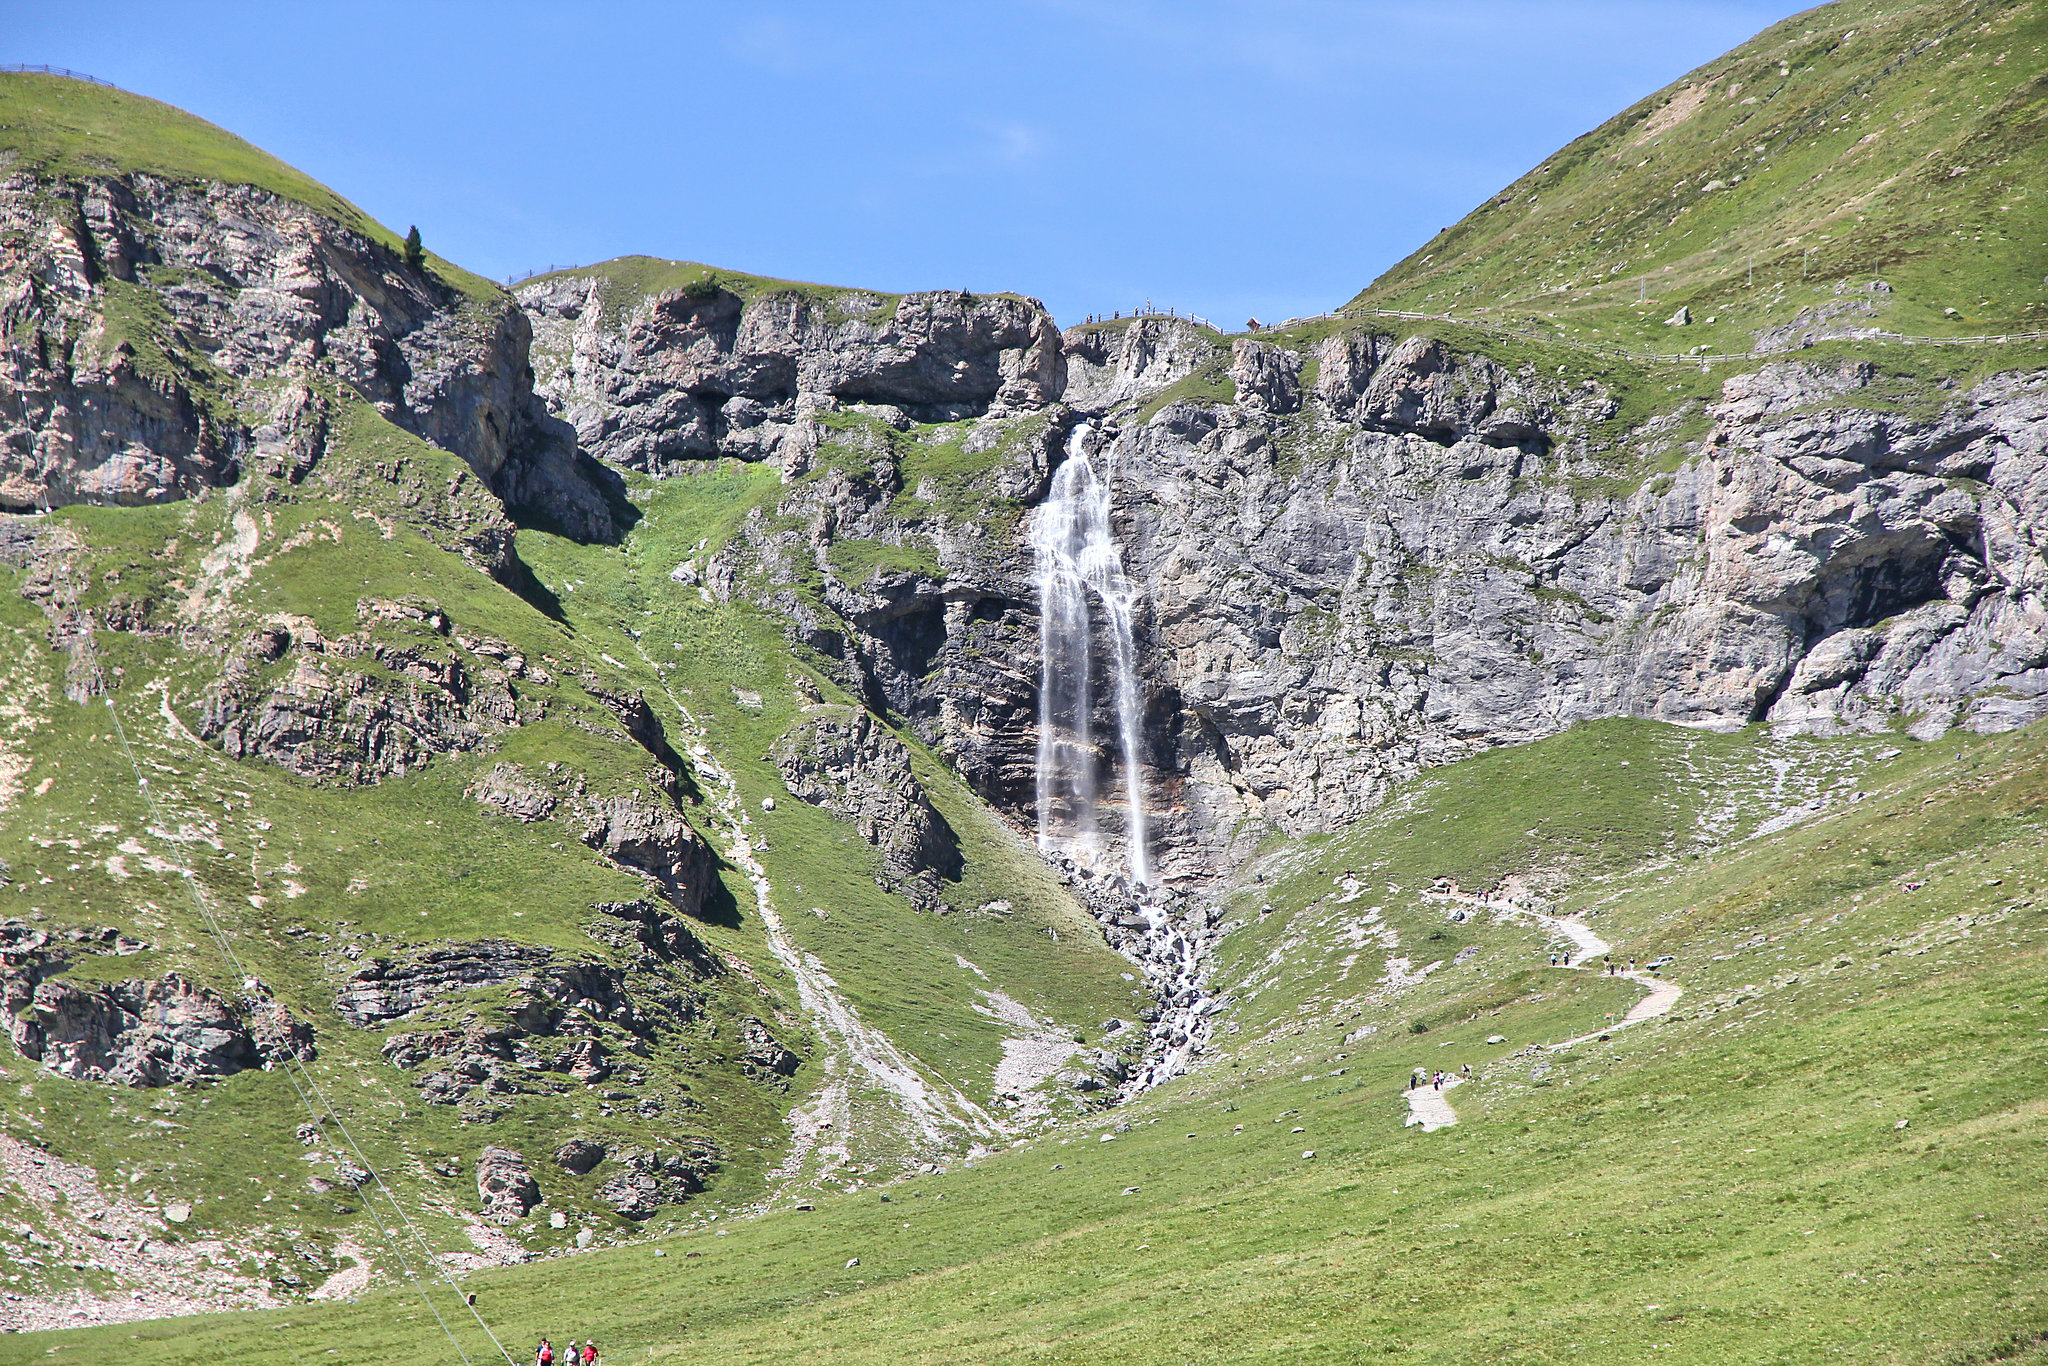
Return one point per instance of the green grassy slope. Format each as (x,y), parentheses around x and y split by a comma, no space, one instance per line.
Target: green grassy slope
(900,969)
(1825,1151)
(1866,139)
(74,130)
(413,859)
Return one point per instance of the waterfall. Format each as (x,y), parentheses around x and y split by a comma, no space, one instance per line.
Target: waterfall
(1076,555)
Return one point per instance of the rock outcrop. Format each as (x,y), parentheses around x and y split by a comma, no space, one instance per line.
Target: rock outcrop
(655,935)
(367,705)
(505,1186)
(651,1179)
(844,760)
(654,841)
(691,373)
(143,1032)
(764,1054)
(579,1156)
(150,1032)
(556,1023)
(1130,362)
(381,990)
(143,309)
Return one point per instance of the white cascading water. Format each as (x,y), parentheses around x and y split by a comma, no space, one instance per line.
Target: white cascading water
(1078,562)
(1077,555)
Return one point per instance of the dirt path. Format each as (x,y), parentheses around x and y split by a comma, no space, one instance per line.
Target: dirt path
(1428,1107)
(1663,994)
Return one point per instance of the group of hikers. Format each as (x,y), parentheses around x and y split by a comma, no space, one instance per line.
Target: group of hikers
(572,1355)
(1563,959)
(1437,1080)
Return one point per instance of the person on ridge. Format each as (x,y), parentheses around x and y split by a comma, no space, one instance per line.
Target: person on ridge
(544,1355)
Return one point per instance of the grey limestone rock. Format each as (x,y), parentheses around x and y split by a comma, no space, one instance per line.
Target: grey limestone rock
(1130,362)
(385,989)
(654,841)
(301,700)
(764,1053)
(1268,376)
(252,288)
(579,1156)
(504,1185)
(843,759)
(1432,555)
(651,1179)
(507,789)
(688,374)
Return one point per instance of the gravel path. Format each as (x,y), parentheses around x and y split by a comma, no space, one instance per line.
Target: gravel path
(1427,1106)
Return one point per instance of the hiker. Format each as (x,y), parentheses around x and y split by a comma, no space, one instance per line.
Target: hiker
(1415,1082)
(545,1354)
(1466,1070)
(589,1352)
(1607,963)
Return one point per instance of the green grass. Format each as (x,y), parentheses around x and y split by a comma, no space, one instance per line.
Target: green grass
(75,130)
(1729,1185)
(1848,151)
(412,859)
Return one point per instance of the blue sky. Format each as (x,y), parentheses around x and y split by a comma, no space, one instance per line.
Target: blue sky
(1233,159)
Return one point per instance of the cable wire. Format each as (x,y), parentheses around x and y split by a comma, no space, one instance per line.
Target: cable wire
(291,1057)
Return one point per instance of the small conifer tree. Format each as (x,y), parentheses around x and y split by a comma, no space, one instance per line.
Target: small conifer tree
(415,254)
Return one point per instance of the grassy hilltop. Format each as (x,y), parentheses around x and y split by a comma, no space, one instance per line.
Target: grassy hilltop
(1867,140)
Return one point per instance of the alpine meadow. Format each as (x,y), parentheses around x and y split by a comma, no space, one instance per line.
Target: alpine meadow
(750,821)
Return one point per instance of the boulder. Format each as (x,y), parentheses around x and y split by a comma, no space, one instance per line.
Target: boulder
(504,1186)
(579,1155)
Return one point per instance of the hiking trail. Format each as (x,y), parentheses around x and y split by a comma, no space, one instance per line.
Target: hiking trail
(1427,1106)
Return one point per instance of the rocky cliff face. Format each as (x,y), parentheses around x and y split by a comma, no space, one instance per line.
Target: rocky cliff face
(146,323)
(1453,563)
(1364,553)
(696,372)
